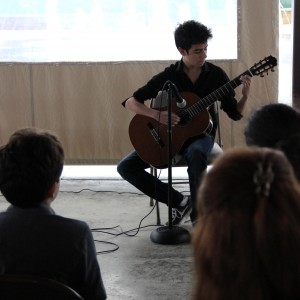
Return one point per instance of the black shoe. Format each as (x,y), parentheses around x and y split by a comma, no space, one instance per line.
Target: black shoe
(181,213)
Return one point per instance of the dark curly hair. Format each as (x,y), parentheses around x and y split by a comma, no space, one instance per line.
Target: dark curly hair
(190,33)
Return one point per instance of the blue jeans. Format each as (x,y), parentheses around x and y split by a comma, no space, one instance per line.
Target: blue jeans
(133,169)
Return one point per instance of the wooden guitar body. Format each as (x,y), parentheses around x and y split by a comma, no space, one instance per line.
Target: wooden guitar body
(150,138)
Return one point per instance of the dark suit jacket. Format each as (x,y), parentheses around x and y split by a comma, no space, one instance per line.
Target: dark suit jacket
(36,241)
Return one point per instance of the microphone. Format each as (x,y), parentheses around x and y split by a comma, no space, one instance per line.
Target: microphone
(181,103)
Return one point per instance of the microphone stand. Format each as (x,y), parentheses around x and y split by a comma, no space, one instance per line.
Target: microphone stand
(170,234)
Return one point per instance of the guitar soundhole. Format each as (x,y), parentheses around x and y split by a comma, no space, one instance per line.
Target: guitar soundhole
(185,118)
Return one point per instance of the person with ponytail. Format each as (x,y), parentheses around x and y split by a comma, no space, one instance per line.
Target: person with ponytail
(246,243)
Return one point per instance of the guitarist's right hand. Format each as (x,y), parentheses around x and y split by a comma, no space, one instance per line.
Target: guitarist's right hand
(162,117)
(140,108)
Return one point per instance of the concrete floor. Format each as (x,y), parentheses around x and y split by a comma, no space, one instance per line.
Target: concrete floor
(133,267)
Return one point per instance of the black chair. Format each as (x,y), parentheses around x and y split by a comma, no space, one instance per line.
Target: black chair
(217,150)
(23,287)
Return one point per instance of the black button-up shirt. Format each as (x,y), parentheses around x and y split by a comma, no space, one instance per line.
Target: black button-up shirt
(211,78)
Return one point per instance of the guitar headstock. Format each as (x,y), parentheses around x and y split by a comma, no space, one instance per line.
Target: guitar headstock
(263,66)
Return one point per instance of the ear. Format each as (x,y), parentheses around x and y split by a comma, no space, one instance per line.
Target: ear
(181,51)
(53,190)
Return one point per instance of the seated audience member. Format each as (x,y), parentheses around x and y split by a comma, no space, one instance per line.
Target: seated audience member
(247,240)
(33,239)
(277,126)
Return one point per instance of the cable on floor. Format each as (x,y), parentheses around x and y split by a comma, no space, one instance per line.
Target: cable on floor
(137,229)
(101,191)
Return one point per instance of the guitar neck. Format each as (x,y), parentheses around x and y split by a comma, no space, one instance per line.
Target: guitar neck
(217,94)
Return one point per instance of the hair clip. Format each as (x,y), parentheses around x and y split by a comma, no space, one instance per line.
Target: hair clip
(263,180)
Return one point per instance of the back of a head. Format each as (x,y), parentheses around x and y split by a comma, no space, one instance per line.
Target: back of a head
(276,126)
(191,33)
(248,235)
(272,123)
(30,163)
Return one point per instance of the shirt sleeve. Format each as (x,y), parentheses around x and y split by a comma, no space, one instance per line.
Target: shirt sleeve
(153,86)
(229,105)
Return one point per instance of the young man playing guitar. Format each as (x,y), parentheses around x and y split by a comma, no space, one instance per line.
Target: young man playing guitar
(190,74)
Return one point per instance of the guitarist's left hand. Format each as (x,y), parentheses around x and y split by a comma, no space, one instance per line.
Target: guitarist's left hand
(246,81)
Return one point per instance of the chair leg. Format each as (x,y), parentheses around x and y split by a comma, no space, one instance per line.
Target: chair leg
(158,221)
(153,172)
(151,202)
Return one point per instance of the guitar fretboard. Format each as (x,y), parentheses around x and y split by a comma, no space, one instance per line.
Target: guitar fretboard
(217,94)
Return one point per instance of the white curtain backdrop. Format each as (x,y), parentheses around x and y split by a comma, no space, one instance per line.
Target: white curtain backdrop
(81,102)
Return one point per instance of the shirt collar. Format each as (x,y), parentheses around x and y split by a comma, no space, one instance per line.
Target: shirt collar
(180,64)
(42,209)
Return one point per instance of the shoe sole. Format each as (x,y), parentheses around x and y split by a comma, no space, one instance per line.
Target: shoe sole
(183,219)
(185,216)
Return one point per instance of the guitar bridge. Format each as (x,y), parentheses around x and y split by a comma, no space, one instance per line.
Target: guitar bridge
(209,127)
(155,135)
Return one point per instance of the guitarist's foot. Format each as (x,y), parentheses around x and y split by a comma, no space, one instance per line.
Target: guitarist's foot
(182,212)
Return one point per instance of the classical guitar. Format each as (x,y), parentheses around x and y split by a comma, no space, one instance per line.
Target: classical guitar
(150,138)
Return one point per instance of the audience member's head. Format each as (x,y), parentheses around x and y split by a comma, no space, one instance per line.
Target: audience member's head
(276,126)
(30,164)
(247,240)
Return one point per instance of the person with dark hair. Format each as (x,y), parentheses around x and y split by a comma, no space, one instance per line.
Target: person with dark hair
(33,239)
(246,243)
(191,74)
(276,125)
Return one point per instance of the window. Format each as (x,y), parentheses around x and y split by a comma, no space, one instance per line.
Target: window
(110,30)
(285,51)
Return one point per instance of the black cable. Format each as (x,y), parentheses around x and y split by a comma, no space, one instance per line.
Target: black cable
(102,230)
(103,191)
(107,251)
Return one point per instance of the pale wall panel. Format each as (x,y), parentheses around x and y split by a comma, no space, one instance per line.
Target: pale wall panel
(15,99)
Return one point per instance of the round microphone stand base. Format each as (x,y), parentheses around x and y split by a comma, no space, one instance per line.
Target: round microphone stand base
(170,235)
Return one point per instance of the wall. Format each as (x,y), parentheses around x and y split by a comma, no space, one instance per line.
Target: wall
(81,102)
